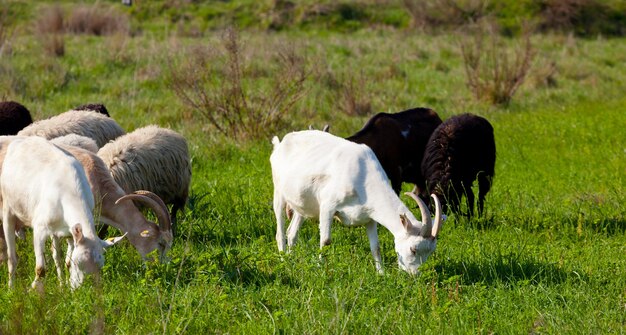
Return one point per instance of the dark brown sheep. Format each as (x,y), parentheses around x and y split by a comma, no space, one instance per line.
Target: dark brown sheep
(99,108)
(13,117)
(398,140)
(460,150)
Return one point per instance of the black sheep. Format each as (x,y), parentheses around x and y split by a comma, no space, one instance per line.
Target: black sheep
(398,140)
(460,150)
(99,108)
(13,117)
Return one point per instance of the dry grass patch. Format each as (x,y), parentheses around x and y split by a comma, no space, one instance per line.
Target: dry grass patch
(494,70)
(217,85)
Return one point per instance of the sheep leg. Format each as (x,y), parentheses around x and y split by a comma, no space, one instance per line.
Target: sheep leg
(175,209)
(279,204)
(469,195)
(372,234)
(292,230)
(454,199)
(39,243)
(484,184)
(8,228)
(396,179)
(56,255)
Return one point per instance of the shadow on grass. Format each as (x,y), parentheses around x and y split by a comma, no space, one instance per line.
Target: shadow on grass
(240,268)
(507,269)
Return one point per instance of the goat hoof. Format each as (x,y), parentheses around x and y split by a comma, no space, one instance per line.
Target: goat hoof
(37,286)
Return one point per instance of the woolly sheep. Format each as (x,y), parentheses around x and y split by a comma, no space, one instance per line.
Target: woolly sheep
(13,117)
(93,125)
(79,141)
(459,151)
(154,159)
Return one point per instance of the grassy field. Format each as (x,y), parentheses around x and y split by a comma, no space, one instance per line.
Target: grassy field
(548,257)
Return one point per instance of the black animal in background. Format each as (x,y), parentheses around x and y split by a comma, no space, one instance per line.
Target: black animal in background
(461,150)
(13,117)
(98,108)
(398,140)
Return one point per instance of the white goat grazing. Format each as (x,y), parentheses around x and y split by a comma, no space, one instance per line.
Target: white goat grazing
(99,127)
(154,159)
(45,188)
(320,175)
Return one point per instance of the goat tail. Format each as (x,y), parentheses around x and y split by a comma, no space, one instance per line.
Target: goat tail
(275,141)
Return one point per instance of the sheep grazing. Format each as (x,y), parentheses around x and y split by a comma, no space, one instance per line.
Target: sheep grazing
(100,128)
(154,159)
(76,141)
(117,211)
(321,175)
(45,188)
(398,140)
(459,151)
(99,108)
(13,117)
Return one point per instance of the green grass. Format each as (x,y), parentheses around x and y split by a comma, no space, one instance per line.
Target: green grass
(548,257)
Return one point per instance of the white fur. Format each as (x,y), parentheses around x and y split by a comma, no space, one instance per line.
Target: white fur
(320,175)
(46,188)
(99,127)
(75,140)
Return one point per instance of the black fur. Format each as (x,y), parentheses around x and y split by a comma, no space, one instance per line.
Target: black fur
(99,108)
(400,155)
(460,150)
(13,117)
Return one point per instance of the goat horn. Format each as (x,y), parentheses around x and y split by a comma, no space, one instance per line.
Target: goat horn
(438,221)
(165,222)
(427,224)
(155,203)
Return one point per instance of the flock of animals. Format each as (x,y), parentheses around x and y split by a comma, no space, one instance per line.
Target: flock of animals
(55,172)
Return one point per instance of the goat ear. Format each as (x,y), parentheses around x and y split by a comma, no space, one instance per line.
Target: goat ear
(406,223)
(109,242)
(77,233)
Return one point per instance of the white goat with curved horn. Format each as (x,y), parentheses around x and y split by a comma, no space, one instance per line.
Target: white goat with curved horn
(321,175)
